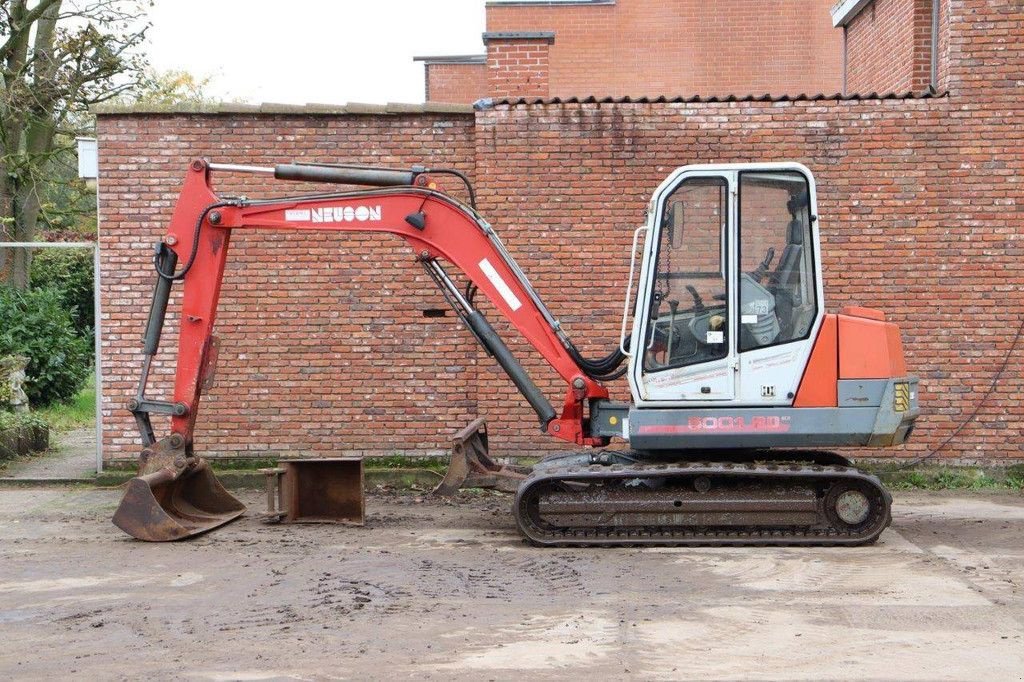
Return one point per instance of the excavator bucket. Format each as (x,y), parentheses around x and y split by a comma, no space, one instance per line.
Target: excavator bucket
(175,496)
(471,466)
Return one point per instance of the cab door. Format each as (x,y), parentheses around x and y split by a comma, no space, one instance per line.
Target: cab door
(686,294)
(779,293)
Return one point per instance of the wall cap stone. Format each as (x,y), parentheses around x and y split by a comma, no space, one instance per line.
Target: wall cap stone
(845,11)
(229,108)
(487,102)
(542,36)
(452,59)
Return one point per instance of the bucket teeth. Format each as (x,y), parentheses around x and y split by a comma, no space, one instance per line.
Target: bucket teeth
(176,496)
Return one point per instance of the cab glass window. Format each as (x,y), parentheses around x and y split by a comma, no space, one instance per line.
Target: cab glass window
(689,317)
(776,276)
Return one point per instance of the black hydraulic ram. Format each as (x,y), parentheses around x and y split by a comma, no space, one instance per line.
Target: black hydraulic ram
(140,406)
(166,261)
(491,342)
(345,175)
(335,174)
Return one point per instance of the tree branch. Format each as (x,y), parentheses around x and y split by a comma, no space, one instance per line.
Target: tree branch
(21,22)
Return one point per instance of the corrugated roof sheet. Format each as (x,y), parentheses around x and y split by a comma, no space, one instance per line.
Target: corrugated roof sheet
(767,97)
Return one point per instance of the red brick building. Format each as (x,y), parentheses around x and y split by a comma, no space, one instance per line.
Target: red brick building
(566,48)
(893,45)
(458,78)
(324,344)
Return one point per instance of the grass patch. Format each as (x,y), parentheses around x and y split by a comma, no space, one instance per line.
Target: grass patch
(78,413)
(953,478)
(390,462)
(401,462)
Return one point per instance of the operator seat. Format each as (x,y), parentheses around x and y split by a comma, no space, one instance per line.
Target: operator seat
(784,282)
(787,272)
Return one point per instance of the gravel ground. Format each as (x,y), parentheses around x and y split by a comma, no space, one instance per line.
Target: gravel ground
(449,591)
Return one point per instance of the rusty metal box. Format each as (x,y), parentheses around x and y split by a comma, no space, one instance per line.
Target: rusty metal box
(321,490)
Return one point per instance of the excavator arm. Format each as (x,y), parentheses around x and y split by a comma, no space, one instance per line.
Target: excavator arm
(434,224)
(409,204)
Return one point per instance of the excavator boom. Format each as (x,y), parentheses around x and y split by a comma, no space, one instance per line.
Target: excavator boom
(435,225)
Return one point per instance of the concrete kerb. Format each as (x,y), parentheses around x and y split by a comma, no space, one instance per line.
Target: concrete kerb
(411,479)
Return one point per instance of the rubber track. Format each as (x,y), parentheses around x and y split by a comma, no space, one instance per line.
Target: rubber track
(692,536)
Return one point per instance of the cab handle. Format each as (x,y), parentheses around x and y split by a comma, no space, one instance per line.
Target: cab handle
(629,288)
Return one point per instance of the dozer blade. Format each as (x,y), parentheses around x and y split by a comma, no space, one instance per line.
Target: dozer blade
(174,497)
(471,466)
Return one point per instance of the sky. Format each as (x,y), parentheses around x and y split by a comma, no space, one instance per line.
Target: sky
(319,51)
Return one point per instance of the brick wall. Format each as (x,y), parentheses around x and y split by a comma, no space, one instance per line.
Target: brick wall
(457,83)
(905,226)
(518,67)
(889,47)
(653,47)
(324,346)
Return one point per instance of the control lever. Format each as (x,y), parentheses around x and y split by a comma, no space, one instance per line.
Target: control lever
(698,304)
(673,307)
(762,269)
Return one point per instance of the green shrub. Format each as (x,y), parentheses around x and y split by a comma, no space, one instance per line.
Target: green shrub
(21,434)
(69,272)
(6,394)
(16,420)
(36,324)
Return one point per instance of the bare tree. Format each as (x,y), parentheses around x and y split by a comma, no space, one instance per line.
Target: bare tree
(58,58)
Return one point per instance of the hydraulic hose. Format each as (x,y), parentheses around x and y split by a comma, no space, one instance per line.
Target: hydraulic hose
(180,275)
(602,369)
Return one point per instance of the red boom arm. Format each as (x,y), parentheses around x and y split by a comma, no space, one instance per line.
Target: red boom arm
(449,231)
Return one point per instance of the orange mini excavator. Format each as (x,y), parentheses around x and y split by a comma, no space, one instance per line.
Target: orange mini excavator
(739,378)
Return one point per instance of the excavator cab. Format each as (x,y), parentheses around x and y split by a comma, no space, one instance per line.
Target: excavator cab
(728,283)
(732,337)
(738,376)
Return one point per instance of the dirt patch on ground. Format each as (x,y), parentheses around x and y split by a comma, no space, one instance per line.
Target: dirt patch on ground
(442,591)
